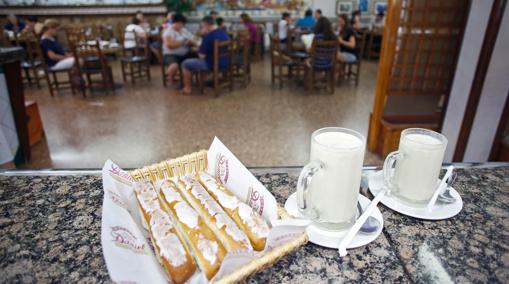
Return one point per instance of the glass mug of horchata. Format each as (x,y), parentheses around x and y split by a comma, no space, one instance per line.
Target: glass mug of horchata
(328,187)
(411,173)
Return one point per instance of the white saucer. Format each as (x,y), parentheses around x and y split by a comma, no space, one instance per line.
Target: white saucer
(331,239)
(440,210)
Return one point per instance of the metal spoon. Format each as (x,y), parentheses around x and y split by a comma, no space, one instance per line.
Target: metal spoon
(446,196)
(371,225)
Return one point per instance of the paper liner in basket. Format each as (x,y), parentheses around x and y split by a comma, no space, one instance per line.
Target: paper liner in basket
(126,245)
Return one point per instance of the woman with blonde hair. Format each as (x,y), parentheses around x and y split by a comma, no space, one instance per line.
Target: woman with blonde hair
(54,54)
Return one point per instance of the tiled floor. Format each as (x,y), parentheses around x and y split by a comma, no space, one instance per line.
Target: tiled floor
(146,123)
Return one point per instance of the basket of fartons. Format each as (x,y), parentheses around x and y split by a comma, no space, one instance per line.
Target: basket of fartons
(199,218)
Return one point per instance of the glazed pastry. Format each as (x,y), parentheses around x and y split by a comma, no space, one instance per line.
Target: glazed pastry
(246,218)
(231,236)
(207,249)
(172,254)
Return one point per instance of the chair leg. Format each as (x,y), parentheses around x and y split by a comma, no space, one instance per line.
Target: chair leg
(148,70)
(246,74)
(50,85)
(131,69)
(69,74)
(27,75)
(312,79)
(55,79)
(163,73)
(332,83)
(357,74)
(201,80)
(122,65)
(181,76)
(272,75)
(37,79)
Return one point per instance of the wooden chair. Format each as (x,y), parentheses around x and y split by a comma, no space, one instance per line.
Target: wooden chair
(56,84)
(353,70)
(93,64)
(32,64)
(375,43)
(75,36)
(135,62)
(241,60)
(221,77)
(278,62)
(322,60)
(258,47)
(294,42)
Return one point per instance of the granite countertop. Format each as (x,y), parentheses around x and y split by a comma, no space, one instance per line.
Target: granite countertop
(50,232)
(11,54)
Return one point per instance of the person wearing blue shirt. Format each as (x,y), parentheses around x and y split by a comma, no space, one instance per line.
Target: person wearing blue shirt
(54,54)
(13,24)
(308,22)
(205,60)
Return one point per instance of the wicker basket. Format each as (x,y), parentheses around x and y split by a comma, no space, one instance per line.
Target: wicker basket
(196,162)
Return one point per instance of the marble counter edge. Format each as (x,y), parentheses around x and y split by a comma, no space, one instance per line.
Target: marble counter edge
(254,170)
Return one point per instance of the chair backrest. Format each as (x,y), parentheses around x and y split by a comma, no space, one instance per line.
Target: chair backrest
(275,46)
(360,44)
(222,50)
(142,45)
(29,42)
(89,55)
(241,47)
(75,36)
(323,53)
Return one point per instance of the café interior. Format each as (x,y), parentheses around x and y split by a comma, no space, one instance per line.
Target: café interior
(143,81)
(116,99)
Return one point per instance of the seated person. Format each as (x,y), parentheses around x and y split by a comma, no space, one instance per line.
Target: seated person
(379,21)
(167,21)
(346,39)
(205,62)
(356,20)
(251,30)
(13,25)
(54,55)
(33,25)
(318,14)
(142,22)
(308,22)
(176,42)
(131,31)
(284,26)
(214,15)
(220,23)
(323,31)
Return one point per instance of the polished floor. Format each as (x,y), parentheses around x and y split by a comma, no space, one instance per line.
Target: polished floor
(146,123)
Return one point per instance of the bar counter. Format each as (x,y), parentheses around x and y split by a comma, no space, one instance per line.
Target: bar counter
(51,224)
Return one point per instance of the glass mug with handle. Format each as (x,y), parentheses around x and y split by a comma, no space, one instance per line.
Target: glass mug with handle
(328,187)
(411,173)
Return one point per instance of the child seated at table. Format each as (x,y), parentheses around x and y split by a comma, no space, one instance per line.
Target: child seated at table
(322,31)
(54,54)
(205,60)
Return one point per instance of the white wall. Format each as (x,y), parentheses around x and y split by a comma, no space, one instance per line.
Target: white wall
(328,7)
(493,97)
(465,69)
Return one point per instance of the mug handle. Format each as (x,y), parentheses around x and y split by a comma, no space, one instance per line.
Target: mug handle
(389,162)
(305,178)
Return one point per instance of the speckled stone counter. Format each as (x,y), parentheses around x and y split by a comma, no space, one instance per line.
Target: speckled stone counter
(50,232)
